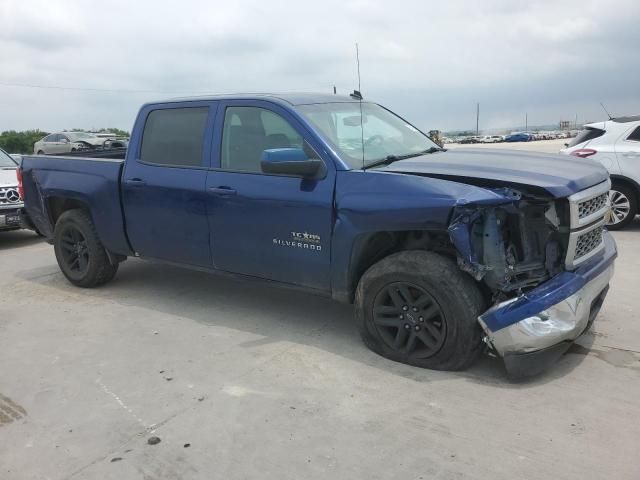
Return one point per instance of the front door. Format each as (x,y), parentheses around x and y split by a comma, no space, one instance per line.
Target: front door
(270,226)
(164,185)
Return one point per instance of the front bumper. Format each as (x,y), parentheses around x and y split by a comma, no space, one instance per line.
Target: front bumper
(531,331)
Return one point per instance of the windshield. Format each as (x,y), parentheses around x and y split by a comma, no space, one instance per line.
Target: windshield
(6,161)
(79,136)
(385,134)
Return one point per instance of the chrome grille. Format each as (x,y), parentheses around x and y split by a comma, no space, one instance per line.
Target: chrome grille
(587,212)
(593,205)
(9,196)
(588,242)
(590,205)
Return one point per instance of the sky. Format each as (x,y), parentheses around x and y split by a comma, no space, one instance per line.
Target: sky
(431,62)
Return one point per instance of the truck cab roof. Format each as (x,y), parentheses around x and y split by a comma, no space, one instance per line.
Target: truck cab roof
(287,98)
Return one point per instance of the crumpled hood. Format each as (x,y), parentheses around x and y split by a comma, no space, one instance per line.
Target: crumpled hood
(560,175)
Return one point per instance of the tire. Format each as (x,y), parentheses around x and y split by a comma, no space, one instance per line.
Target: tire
(624,207)
(40,152)
(79,252)
(435,284)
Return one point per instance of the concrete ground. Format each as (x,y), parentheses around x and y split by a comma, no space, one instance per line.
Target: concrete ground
(239,380)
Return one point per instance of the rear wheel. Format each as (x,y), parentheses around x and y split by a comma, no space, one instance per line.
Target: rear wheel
(418,308)
(40,152)
(623,207)
(79,252)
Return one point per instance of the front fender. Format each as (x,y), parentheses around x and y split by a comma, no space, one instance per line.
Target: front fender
(368,202)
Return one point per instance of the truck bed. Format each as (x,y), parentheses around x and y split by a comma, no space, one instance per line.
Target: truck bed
(92,183)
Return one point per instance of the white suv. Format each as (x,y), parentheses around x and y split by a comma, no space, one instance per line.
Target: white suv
(615,144)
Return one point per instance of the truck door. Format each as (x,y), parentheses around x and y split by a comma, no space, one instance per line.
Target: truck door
(270,226)
(163,183)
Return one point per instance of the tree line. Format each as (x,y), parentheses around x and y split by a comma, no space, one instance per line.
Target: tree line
(12,141)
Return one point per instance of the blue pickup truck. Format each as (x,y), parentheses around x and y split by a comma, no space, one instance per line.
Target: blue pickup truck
(443,253)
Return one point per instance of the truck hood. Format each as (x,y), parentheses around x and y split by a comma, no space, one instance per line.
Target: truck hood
(559,175)
(8,178)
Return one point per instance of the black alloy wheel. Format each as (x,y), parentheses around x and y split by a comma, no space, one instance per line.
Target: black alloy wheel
(409,320)
(74,249)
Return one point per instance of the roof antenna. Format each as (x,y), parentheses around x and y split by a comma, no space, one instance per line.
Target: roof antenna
(605,111)
(358,96)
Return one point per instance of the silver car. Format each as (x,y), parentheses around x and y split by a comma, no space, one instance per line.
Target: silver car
(10,201)
(65,142)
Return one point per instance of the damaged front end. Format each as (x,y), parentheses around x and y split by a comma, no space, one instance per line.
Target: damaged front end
(513,245)
(545,266)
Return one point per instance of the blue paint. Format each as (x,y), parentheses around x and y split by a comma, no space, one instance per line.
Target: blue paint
(251,223)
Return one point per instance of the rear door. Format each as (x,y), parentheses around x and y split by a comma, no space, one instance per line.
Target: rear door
(270,226)
(164,183)
(628,153)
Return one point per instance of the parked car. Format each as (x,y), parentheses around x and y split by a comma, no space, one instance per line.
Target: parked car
(65,142)
(10,198)
(491,139)
(442,252)
(469,140)
(518,137)
(615,144)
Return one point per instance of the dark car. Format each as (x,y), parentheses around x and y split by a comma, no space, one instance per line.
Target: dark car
(518,137)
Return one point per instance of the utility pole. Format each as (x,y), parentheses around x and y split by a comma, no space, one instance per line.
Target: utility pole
(477,119)
(526,121)
(576,122)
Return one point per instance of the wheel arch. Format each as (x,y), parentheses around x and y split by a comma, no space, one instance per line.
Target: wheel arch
(370,248)
(620,179)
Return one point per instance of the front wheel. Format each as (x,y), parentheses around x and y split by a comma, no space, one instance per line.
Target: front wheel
(623,207)
(79,252)
(417,307)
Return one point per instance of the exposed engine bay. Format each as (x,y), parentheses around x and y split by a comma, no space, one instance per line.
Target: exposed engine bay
(512,246)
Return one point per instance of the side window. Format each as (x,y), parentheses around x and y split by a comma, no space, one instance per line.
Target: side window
(249,131)
(635,135)
(174,136)
(52,138)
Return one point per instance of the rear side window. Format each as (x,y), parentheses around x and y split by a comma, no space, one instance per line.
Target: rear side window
(586,135)
(174,136)
(635,135)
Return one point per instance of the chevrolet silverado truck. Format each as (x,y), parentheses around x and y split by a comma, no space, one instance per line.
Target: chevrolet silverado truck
(443,253)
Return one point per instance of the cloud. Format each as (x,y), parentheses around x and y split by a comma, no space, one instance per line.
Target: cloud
(430,61)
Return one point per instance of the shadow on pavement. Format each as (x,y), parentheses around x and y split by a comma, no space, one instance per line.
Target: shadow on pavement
(18,238)
(274,313)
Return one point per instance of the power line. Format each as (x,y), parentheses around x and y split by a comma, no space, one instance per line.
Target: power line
(87,89)
(118,90)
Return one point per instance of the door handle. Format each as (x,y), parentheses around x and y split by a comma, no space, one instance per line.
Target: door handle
(135,182)
(222,191)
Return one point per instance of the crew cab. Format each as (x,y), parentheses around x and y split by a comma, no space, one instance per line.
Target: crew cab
(443,253)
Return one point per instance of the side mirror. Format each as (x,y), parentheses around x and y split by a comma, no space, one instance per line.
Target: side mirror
(291,161)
